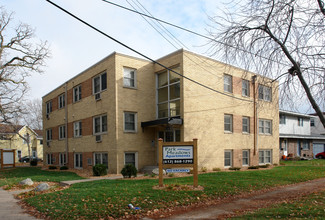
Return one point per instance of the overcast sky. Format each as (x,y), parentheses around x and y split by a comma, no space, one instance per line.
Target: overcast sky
(74,46)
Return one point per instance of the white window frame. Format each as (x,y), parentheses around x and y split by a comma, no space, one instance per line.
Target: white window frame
(283,119)
(230,159)
(227,83)
(135,155)
(300,121)
(62,159)
(128,78)
(246,125)
(263,157)
(101,89)
(77,129)
(262,126)
(135,122)
(49,159)
(245,157)
(77,93)
(312,122)
(80,160)
(62,132)
(305,145)
(101,157)
(230,124)
(264,93)
(48,107)
(61,101)
(49,134)
(245,88)
(101,125)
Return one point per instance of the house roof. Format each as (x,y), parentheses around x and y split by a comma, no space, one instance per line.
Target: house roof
(296,114)
(39,133)
(9,129)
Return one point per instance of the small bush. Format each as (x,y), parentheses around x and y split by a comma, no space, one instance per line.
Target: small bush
(171,174)
(234,168)
(204,169)
(33,162)
(216,169)
(99,170)
(275,164)
(129,170)
(264,166)
(253,167)
(64,168)
(153,175)
(52,168)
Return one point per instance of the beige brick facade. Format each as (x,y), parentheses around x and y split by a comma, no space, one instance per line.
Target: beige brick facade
(202,112)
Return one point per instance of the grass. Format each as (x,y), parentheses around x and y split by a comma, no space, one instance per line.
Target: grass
(308,207)
(100,199)
(15,175)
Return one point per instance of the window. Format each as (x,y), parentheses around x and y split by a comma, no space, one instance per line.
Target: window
(77,129)
(264,156)
(305,145)
(282,119)
(99,83)
(245,88)
(27,139)
(312,122)
(168,94)
(61,101)
(245,157)
(41,142)
(48,107)
(49,159)
(77,93)
(130,158)
(34,153)
(264,93)
(63,159)
(62,132)
(100,124)
(129,78)
(101,158)
(228,123)
(170,136)
(245,124)
(265,126)
(78,160)
(300,122)
(130,122)
(49,134)
(228,158)
(19,154)
(227,83)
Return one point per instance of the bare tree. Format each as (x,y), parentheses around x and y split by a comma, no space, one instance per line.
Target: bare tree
(20,56)
(33,117)
(280,39)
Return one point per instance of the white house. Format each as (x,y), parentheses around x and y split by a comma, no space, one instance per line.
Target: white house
(296,138)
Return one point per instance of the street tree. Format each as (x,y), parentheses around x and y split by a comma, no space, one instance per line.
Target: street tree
(33,114)
(280,39)
(20,56)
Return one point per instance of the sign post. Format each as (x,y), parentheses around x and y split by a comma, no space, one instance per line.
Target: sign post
(178,155)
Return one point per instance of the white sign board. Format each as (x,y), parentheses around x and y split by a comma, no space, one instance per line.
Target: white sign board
(8,158)
(178,154)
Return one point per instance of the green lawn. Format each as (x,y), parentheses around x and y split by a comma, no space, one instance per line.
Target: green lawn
(100,199)
(15,175)
(308,207)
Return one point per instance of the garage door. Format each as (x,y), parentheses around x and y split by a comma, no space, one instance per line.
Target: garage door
(318,148)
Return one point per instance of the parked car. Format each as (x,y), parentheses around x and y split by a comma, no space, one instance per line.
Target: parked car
(25,159)
(320,155)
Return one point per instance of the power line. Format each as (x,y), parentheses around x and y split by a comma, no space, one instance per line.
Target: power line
(141,54)
(193,32)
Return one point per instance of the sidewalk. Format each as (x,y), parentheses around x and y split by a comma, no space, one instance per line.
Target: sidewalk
(68,183)
(9,209)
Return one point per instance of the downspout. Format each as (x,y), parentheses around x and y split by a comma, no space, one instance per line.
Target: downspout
(255,114)
(66,124)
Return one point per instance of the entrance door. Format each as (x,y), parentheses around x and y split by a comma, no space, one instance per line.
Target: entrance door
(285,147)
(298,148)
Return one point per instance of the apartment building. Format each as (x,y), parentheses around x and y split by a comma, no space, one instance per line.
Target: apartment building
(296,137)
(115,111)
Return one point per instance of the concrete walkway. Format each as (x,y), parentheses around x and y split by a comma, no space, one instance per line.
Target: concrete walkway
(92,179)
(9,208)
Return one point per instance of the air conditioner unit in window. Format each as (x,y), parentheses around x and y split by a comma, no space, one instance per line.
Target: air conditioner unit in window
(48,116)
(48,144)
(97,96)
(98,138)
